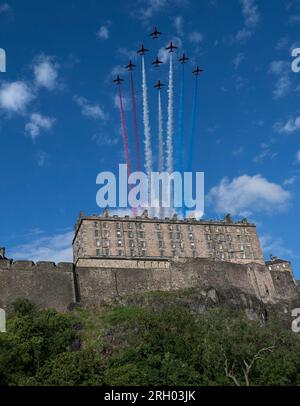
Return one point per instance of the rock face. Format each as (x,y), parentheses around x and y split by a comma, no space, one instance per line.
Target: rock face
(254,287)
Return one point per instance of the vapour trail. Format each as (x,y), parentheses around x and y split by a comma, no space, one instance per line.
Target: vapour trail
(147,136)
(160,146)
(193,126)
(135,126)
(160,136)
(170,119)
(180,123)
(124,132)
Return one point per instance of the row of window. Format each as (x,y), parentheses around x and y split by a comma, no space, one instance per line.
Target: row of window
(106,252)
(227,237)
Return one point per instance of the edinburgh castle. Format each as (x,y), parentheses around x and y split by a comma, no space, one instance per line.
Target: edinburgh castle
(117,256)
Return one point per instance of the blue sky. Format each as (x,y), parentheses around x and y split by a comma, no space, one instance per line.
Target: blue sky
(60,125)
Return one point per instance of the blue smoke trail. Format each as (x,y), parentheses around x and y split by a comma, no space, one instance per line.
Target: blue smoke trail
(193,126)
(180,123)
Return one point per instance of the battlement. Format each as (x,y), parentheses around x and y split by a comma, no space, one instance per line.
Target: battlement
(39,266)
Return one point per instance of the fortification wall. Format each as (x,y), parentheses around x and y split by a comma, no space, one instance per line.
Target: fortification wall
(101,284)
(94,281)
(43,283)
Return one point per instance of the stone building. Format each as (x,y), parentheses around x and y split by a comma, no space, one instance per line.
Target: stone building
(105,238)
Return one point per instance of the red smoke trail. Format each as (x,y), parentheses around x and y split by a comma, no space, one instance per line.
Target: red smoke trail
(125,140)
(125,137)
(135,126)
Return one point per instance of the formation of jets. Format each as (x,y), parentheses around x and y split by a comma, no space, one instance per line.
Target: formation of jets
(142,51)
(156,62)
(159,85)
(197,71)
(155,34)
(130,66)
(118,80)
(183,59)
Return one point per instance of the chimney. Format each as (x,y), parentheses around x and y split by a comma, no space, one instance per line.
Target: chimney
(2,253)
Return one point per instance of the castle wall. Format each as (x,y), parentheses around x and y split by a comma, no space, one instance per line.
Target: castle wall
(97,285)
(43,283)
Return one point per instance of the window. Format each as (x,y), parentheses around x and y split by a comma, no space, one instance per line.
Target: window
(118,226)
(174,253)
(96,224)
(130,234)
(106,233)
(207,237)
(170,227)
(178,236)
(129,225)
(143,253)
(221,247)
(143,244)
(171,236)
(160,244)
(106,252)
(119,243)
(97,253)
(120,253)
(242,247)
(132,253)
(141,226)
(105,243)
(161,253)
(194,254)
(131,244)
(96,233)
(191,237)
(105,225)
(192,245)
(118,233)
(159,236)
(190,228)
(177,227)
(158,226)
(98,243)
(173,245)
(141,234)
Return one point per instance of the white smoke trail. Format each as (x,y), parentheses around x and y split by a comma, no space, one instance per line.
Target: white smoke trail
(160,147)
(160,136)
(147,135)
(169,165)
(147,139)
(170,119)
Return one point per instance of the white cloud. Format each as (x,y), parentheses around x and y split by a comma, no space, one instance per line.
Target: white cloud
(103,32)
(238,60)
(298,156)
(125,101)
(15,97)
(56,248)
(290,181)
(46,72)
(37,123)
(282,70)
(196,37)
(178,24)
(274,246)
(90,110)
(251,18)
(149,8)
(246,195)
(289,127)
(282,43)
(4,8)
